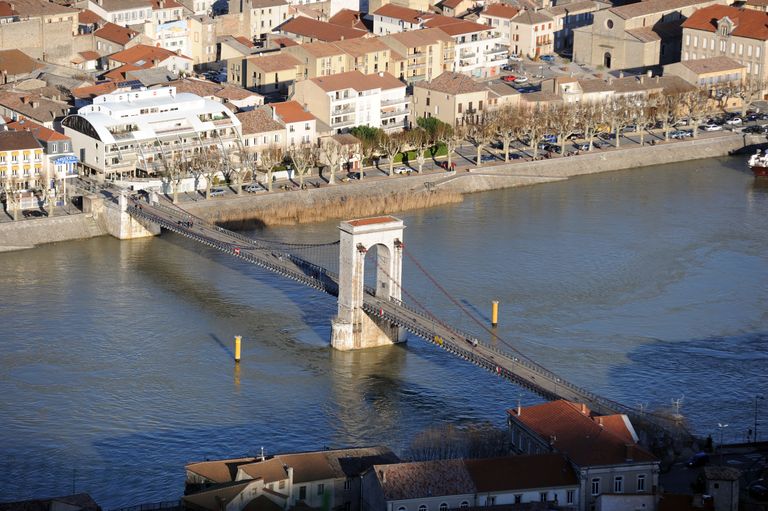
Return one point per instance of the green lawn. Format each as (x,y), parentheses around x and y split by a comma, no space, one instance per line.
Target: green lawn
(441,151)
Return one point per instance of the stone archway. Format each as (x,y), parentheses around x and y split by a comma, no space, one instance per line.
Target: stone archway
(607,60)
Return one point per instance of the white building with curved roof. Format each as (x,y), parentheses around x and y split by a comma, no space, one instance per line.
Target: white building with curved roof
(141,130)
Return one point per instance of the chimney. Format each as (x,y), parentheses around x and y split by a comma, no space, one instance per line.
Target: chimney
(35,104)
(649,74)
(583,408)
(642,79)
(290,474)
(600,422)
(621,74)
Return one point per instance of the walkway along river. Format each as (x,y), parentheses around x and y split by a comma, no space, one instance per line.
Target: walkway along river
(116,364)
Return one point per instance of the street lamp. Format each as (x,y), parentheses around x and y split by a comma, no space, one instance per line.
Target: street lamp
(757,396)
(722,427)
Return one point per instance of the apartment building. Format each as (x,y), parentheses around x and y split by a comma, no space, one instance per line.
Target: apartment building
(260,132)
(199,7)
(143,56)
(708,72)
(393,19)
(323,59)
(725,31)
(350,99)
(16,65)
(202,39)
(421,54)
(637,35)
(450,97)
(164,11)
(260,17)
(536,482)
(122,12)
(46,110)
(169,35)
(300,125)
(417,5)
(21,161)
(112,38)
(308,30)
(478,52)
(41,29)
(526,32)
(570,16)
(329,478)
(143,131)
(603,450)
(59,161)
(272,73)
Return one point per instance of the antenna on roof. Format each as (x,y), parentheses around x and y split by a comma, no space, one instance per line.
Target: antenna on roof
(678,403)
(262,453)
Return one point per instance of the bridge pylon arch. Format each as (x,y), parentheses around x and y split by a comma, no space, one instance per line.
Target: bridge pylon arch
(353,328)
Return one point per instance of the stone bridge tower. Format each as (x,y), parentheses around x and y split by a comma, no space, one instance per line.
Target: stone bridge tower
(353,328)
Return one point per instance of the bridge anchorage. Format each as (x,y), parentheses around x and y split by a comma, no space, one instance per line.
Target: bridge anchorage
(353,328)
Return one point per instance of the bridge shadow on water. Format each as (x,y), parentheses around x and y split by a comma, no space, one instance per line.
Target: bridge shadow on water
(718,378)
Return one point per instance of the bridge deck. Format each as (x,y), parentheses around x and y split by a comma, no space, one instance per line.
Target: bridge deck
(511,366)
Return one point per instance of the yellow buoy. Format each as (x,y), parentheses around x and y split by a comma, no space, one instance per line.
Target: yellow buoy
(237,348)
(494,313)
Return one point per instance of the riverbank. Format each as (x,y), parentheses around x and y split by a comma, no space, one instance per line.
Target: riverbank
(390,195)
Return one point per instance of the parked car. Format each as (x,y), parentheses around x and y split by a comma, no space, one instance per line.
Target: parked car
(678,134)
(515,58)
(547,58)
(581,147)
(355,175)
(753,129)
(735,121)
(402,170)
(550,138)
(509,79)
(34,213)
(514,156)
(507,67)
(752,117)
(759,490)
(596,144)
(711,127)
(697,460)
(216,192)
(525,90)
(629,128)
(521,79)
(486,157)
(253,188)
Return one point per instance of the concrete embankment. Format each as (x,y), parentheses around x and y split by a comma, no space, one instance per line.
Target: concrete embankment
(388,195)
(29,233)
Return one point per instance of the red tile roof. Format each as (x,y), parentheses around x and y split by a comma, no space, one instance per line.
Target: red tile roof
(521,472)
(40,132)
(749,23)
(115,33)
(143,55)
(166,4)
(17,140)
(119,73)
(16,62)
(501,11)
(400,13)
(291,111)
(87,17)
(319,30)
(586,439)
(348,18)
(7,10)
(89,55)
(283,42)
(92,91)
(245,41)
(463,27)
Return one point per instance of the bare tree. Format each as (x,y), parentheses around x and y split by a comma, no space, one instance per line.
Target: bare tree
(172,172)
(697,106)
(480,132)
(418,138)
(11,197)
(645,115)
(450,137)
(564,120)
(446,441)
(392,144)
(536,121)
(670,110)
(590,116)
(619,114)
(304,156)
(333,154)
(752,88)
(506,127)
(269,158)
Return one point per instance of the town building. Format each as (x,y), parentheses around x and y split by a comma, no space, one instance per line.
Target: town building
(199,7)
(261,131)
(170,35)
(540,480)
(236,98)
(708,72)
(143,56)
(112,38)
(231,47)
(122,12)
(272,73)
(41,29)
(635,36)
(147,130)
(15,65)
(45,109)
(350,99)
(417,5)
(21,161)
(602,449)
(720,30)
(307,30)
(300,125)
(349,18)
(424,54)
(59,161)
(455,8)
(450,97)
(570,16)
(202,39)
(319,479)
(477,51)
(260,17)
(393,19)
(367,55)
(165,11)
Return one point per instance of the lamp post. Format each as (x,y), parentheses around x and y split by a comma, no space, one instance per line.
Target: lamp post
(722,427)
(757,396)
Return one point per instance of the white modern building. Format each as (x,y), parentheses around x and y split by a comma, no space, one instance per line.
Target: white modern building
(145,131)
(479,52)
(350,99)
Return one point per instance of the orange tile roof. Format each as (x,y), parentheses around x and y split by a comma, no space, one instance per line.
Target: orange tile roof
(40,132)
(16,62)
(89,17)
(115,33)
(292,111)
(357,81)
(749,23)
(463,27)
(7,10)
(166,4)
(271,63)
(89,55)
(141,54)
(320,30)
(119,73)
(245,41)
(92,91)
(17,140)
(501,11)
(348,18)
(284,42)
(521,472)
(400,13)
(586,439)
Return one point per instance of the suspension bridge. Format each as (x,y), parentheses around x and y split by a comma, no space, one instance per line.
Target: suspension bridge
(395,308)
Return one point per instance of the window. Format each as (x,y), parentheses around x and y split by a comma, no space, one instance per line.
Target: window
(282,484)
(695,41)
(443,506)
(490,501)
(688,40)
(320,489)
(596,486)
(306,126)
(464,504)
(401,508)
(518,498)
(570,496)
(618,484)
(757,51)
(423,507)
(461,107)
(741,49)
(749,50)
(712,44)
(348,484)
(543,496)
(641,482)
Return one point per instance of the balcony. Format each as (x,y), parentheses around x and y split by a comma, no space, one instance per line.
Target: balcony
(345,123)
(468,54)
(394,113)
(497,50)
(418,65)
(392,102)
(343,110)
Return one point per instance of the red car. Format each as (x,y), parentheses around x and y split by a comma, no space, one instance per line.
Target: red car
(510,78)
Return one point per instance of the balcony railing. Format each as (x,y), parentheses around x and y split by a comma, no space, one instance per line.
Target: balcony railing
(343,110)
(343,124)
(394,113)
(390,102)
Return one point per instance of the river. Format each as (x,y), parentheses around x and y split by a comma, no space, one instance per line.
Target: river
(116,357)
